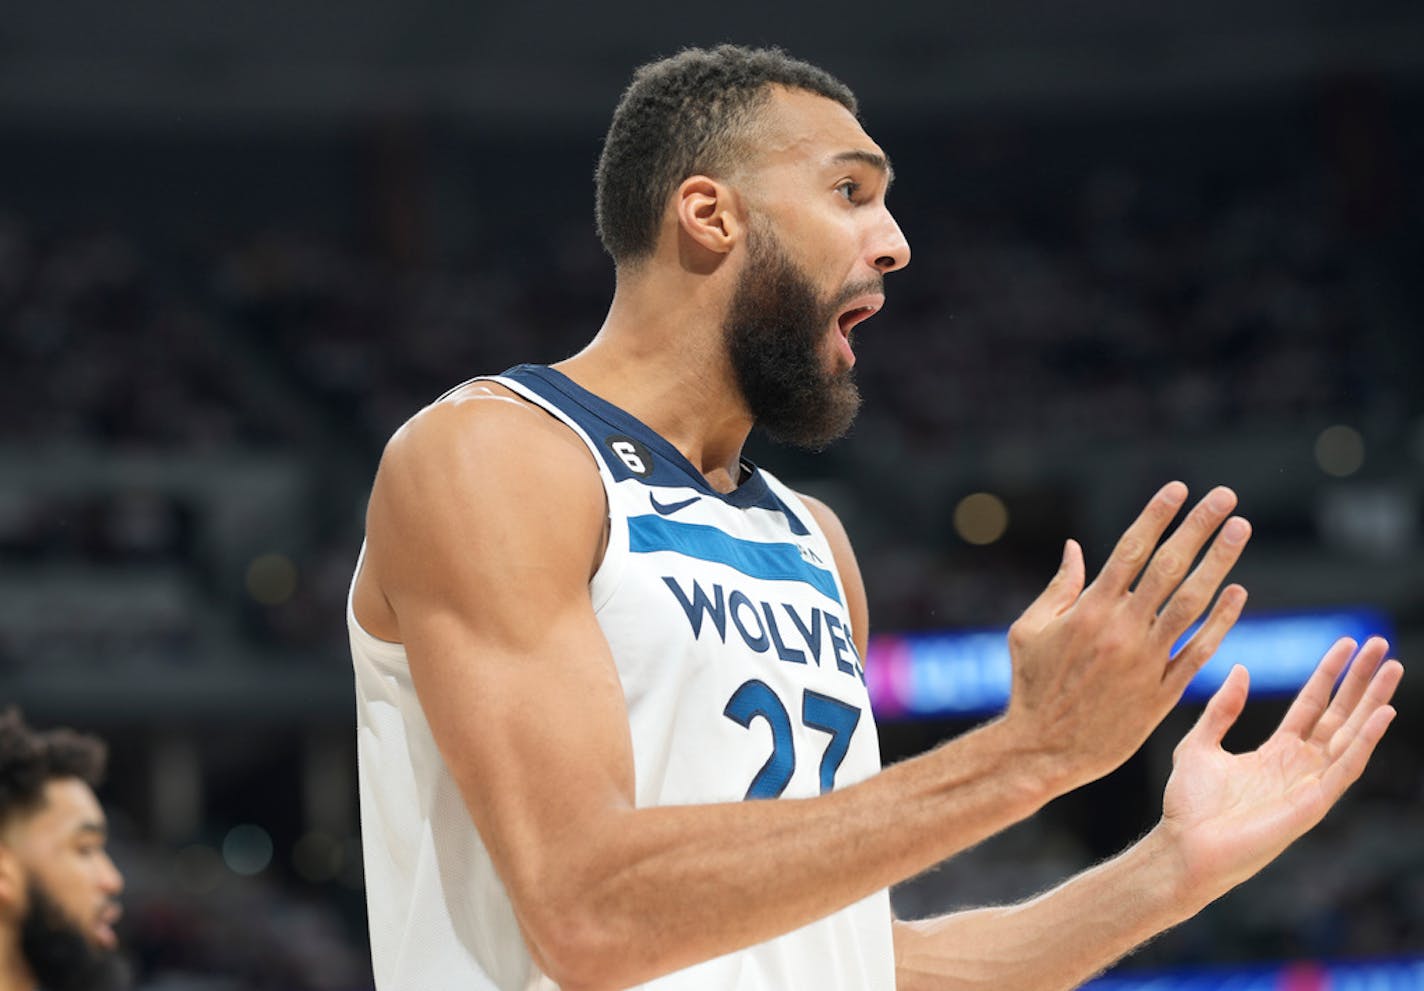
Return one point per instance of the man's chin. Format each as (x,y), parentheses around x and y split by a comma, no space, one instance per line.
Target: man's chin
(94,968)
(822,420)
(65,957)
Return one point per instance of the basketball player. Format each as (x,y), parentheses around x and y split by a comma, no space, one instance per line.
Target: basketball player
(613,722)
(58,888)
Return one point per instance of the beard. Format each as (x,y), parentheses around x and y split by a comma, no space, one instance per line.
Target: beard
(776,330)
(61,957)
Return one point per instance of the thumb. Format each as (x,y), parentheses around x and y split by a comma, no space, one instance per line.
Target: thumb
(1064,588)
(1223,710)
(1065,585)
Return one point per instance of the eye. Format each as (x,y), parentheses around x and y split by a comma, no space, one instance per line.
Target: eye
(90,848)
(848,188)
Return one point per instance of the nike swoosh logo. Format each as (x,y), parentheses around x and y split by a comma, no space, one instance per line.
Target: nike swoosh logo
(668,508)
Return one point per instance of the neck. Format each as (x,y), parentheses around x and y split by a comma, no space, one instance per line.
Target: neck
(660,355)
(15,973)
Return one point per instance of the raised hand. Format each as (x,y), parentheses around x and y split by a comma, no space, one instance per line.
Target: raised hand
(1228,815)
(1093,669)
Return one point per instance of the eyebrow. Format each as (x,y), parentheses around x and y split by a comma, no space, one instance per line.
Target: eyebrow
(98,828)
(876,161)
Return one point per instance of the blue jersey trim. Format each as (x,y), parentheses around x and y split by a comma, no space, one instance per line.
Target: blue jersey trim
(753,558)
(600,418)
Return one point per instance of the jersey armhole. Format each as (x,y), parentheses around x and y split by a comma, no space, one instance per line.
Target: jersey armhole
(610,569)
(794,500)
(371,642)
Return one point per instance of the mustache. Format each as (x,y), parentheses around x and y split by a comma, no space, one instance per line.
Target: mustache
(875,284)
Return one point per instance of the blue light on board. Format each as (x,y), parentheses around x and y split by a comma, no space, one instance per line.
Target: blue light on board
(1380,975)
(916,675)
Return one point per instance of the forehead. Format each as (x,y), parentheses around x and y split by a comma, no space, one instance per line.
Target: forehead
(69,807)
(801,128)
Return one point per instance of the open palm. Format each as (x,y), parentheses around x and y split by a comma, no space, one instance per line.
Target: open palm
(1231,814)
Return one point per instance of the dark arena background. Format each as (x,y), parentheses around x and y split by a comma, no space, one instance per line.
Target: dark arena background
(241,243)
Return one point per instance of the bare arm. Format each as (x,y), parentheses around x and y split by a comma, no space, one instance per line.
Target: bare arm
(1056,940)
(1225,817)
(1051,943)
(484,526)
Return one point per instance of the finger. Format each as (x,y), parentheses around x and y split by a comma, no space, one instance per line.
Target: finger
(1203,644)
(1351,689)
(1351,764)
(1191,598)
(1169,565)
(1222,710)
(1305,711)
(1062,591)
(1137,541)
(1074,576)
(1377,695)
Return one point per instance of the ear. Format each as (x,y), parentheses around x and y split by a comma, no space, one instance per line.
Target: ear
(709,214)
(12,883)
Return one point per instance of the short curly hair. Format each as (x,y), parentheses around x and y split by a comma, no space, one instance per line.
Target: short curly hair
(682,116)
(30,759)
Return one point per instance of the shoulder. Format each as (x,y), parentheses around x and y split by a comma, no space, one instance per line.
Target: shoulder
(483,441)
(484,422)
(828,521)
(483,475)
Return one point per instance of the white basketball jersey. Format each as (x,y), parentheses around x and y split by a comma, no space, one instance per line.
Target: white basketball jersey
(727,621)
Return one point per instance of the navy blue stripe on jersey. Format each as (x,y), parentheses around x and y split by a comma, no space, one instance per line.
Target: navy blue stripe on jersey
(607,425)
(753,558)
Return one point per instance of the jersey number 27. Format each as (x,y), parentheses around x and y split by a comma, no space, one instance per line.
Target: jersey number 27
(755,699)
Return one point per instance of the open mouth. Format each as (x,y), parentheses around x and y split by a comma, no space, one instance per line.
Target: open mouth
(850,318)
(858,311)
(108,918)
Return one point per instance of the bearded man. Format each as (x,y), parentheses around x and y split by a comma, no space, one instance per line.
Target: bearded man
(59,890)
(613,723)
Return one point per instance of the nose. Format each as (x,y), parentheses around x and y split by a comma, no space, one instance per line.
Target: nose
(110,880)
(888,249)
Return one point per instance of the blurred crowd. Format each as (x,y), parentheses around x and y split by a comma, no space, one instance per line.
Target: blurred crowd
(1117,302)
